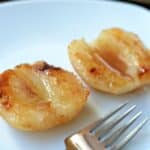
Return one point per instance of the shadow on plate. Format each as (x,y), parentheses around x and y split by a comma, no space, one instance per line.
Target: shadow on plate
(108,102)
(130,95)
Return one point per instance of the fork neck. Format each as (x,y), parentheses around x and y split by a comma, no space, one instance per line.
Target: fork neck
(83,142)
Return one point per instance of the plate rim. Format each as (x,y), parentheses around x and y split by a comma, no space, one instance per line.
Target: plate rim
(30,2)
(16,3)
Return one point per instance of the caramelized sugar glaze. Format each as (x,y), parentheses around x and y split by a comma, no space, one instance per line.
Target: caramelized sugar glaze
(116,62)
(40,96)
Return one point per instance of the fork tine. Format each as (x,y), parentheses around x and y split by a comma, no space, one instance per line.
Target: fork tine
(110,139)
(122,143)
(109,127)
(99,122)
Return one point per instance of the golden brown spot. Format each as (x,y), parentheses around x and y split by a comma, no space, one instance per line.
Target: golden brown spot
(7,104)
(61,119)
(44,105)
(94,71)
(4,78)
(112,60)
(43,66)
(27,126)
(1,94)
(28,90)
(51,67)
(40,66)
(143,71)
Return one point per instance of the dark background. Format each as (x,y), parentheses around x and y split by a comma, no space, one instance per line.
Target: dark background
(144,3)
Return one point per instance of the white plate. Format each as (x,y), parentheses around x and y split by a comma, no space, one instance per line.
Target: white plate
(31,31)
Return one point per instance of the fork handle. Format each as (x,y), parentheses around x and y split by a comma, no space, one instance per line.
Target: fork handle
(70,145)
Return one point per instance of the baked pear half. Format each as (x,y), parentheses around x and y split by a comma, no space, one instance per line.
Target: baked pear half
(40,96)
(116,62)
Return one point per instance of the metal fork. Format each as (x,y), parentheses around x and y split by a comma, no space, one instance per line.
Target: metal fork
(106,134)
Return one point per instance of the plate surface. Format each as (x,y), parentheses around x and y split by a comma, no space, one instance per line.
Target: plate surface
(41,30)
